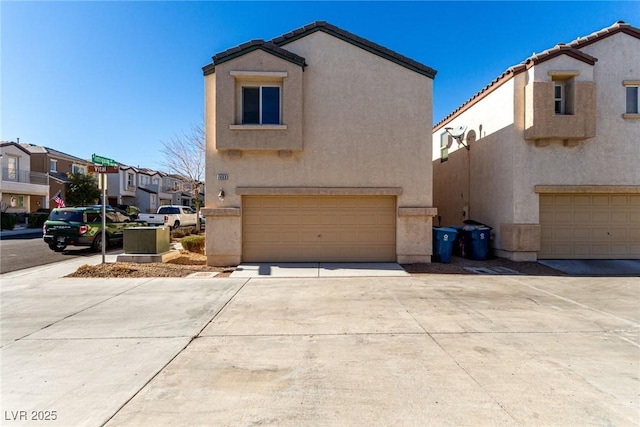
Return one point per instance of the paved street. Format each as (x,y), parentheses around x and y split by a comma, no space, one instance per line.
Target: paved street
(26,251)
(418,350)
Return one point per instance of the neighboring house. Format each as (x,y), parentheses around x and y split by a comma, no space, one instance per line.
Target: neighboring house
(150,193)
(147,189)
(21,189)
(554,153)
(57,165)
(122,187)
(179,188)
(318,149)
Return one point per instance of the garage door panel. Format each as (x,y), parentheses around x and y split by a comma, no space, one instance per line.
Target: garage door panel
(582,200)
(622,200)
(600,217)
(319,228)
(589,226)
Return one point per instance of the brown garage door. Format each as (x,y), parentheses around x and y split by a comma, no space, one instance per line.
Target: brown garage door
(319,228)
(590,226)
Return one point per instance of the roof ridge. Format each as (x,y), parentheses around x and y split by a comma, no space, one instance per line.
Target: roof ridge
(356,40)
(250,46)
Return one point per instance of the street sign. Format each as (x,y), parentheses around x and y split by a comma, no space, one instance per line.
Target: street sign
(104,169)
(104,161)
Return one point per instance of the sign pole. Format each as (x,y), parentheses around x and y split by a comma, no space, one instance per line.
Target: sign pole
(103,177)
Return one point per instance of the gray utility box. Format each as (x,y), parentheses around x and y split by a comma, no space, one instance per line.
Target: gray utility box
(146,240)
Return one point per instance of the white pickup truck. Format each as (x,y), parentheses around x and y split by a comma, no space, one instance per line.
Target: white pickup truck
(173,216)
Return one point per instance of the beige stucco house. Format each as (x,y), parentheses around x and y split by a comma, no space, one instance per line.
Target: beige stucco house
(21,189)
(554,153)
(318,149)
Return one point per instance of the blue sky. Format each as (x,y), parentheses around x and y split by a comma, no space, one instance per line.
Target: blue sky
(118,78)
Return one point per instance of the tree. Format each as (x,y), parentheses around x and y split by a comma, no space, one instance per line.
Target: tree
(81,190)
(185,156)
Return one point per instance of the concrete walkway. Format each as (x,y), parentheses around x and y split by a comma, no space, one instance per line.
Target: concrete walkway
(315,269)
(413,350)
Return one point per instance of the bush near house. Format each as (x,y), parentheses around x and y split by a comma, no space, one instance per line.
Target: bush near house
(37,219)
(8,221)
(193,244)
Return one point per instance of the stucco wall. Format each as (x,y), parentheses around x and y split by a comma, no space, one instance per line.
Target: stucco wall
(479,181)
(505,168)
(366,123)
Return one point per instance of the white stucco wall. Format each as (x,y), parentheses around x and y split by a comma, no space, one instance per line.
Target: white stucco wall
(488,192)
(505,167)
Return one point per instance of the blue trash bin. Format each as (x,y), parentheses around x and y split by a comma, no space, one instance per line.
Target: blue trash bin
(443,239)
(476,243)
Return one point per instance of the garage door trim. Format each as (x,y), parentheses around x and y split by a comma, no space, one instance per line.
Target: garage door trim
(319,191)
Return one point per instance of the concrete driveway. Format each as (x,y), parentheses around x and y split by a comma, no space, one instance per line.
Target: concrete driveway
(418,350)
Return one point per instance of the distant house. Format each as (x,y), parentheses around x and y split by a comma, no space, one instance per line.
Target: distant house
(21,189)
(318,149)
(147,189)
(57,165)
(554,153)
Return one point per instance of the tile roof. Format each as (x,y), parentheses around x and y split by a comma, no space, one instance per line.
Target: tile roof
(39,149)
(275,47)
(572,49)
(355,40)
(59,176)
(15,144)
(250,46)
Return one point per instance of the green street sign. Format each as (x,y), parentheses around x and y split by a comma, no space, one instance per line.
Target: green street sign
(104,161)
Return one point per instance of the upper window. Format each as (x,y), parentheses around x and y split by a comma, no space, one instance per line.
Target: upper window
(260,105)
(633,106)
(53,165)
(563,91)
(12,168)
(445,143)
(130,180)
(79,169)
(559,97)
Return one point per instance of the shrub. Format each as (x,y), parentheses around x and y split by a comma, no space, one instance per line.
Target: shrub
(193,244)
(8,221)
(37,219)
(179,233)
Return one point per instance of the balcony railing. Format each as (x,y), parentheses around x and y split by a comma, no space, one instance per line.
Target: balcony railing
(27,177)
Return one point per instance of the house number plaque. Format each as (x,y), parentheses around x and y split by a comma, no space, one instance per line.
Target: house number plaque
(223,176)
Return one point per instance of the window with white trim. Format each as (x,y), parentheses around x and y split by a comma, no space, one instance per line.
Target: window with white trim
(12,168)
(559,97)
(445,143)
(53,165)
(78,169)
(563,91)
(130,179)
(261,105)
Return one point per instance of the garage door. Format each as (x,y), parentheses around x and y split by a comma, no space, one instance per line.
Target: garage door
(319,228)
(590,226)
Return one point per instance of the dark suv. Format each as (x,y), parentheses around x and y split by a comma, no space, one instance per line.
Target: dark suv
(83,227)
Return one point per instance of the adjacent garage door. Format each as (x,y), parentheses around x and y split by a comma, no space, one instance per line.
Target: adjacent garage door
(590,226)
(319,228)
